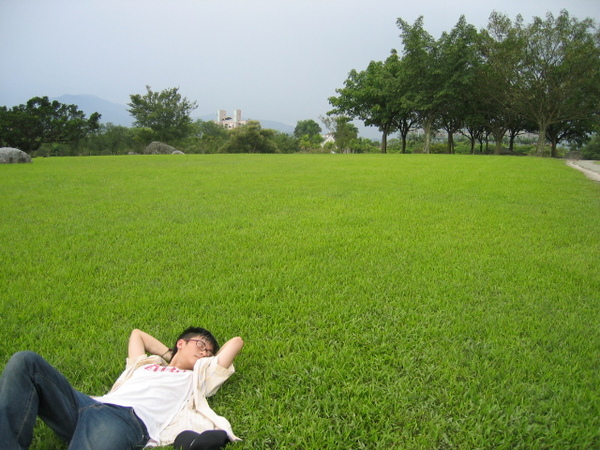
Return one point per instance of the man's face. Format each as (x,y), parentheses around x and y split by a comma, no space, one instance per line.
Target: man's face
(192,349)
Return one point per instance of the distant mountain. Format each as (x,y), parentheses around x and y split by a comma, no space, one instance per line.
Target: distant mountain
(89,104)
(283,127)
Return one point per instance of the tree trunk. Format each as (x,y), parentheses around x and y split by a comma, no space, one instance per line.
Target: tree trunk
(403,135)
(498,133)
(539,151)
(384,141)
(511,142)
(554,143)
(450,142)
(498,140)
(427,126)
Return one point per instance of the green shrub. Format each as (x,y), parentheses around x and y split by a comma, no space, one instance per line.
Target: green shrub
(592,149)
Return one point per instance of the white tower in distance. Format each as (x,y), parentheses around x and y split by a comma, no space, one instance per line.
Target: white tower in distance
(228,122)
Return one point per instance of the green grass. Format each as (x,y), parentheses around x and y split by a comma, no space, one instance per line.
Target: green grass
(386,301)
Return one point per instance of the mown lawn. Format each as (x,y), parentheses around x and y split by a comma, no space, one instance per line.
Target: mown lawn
(386,301)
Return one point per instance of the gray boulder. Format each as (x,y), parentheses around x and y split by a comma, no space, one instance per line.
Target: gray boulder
(178,152)
(9,155)
(159,148)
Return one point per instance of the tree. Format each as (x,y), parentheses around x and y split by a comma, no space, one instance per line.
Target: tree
(343,131)
(40,121)
(375,96)
(364,97)
(364,145)
(592,149)
(208,137)
(575,132)
(250,138)
(559,75)
(167,113)
(307,128)
(287,143)
(307,134)
(458,62)
(475,123)
(421,59)
(110,139)
(502,48)
(309,143)
(209,128)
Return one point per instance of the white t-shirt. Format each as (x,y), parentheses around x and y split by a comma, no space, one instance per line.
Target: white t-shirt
(195,414)
(156,393)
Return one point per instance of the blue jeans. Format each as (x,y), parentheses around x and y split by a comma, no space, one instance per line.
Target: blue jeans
(30,386)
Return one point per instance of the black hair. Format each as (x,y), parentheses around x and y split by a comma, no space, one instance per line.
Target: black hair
(191,332)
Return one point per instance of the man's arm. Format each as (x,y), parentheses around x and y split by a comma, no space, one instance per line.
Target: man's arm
(229,351)
(141,343)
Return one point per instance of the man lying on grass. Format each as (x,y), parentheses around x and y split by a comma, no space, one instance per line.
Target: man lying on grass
(154,401)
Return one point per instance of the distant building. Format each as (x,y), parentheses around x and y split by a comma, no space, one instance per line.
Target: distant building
(230,122)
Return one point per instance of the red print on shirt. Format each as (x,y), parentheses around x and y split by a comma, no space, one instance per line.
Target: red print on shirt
(157,368)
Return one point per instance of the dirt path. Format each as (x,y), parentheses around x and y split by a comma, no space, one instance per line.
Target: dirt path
(591,169)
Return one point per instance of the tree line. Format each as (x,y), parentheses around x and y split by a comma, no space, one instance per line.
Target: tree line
(49,128)
(506,79)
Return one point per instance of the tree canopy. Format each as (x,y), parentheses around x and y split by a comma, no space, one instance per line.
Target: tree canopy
(307,128)
(510,77)
(250,138)
(373,96)
(166,113)
(41,121)
(559,81)
(343,131)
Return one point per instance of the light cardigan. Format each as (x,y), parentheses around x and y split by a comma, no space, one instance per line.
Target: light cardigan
(195,414)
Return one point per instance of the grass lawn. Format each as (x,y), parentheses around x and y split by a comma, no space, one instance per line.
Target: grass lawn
(386,301)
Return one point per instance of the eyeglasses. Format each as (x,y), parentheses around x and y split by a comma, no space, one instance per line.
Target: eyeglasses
(203,346)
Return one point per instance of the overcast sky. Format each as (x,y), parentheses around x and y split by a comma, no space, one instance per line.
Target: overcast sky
(273,59)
